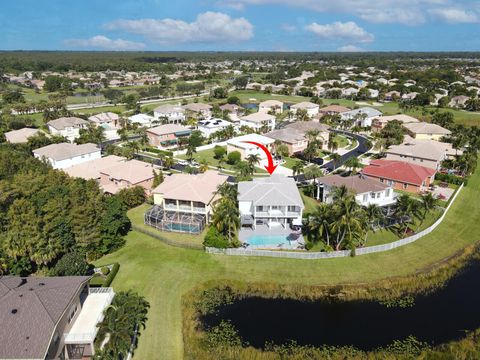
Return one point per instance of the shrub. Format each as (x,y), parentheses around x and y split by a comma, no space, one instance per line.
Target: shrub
(223,335)
(158,151)
(450,178)
(234,157)
(219,152)
(132,197)
(96,281)
(71,264)
(105,270)
(112,275)
(213,238)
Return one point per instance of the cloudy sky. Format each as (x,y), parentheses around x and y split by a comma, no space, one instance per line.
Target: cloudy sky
(253,25)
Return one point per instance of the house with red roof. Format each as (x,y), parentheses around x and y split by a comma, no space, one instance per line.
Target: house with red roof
(400,175)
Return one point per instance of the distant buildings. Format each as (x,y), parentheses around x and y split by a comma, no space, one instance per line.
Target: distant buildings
(333,110)
(143,120)
(167,135)
(379,123)
(311,108)
(50,317)
(68,127)
(259,121)
(174,114)
(273,106)
(362,117)
(426,131)
(199,109)
(211,126)
(106,118)
(65,155)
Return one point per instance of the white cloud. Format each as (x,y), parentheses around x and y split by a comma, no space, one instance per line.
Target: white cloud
(105,43)
(341,31)
(408,12)
(350,48)
(454,15)
(208,27)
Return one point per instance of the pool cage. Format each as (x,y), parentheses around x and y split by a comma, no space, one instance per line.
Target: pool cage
(175,221)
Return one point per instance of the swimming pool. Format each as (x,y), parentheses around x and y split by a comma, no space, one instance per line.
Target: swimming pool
(268,240)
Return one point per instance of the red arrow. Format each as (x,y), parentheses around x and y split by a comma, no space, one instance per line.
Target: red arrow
(270,167)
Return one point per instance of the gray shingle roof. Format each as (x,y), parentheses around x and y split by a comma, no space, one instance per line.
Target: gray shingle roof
(273,190)
(29,313)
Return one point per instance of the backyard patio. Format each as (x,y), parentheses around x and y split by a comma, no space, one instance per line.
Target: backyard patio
(265,237)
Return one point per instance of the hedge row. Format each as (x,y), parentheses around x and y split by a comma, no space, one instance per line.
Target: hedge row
(111,275)
(450,178)
(158,151)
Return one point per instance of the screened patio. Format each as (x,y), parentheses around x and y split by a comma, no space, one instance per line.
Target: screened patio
(175,221)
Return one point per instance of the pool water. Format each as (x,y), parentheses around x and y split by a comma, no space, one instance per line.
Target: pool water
(182,228)
(268,240)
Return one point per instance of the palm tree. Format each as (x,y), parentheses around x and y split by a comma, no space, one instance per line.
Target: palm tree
(203,166)
(226,218)
(319,222)
(348,225)
(252,161)
(353,164)
(406,210)
(191,149)
(335,159)
(297,168)
(339,193)
(374,215)
(428,202)
(314,172)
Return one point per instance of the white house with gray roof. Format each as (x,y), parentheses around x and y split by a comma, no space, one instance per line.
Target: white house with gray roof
(273,201)
(65,155)
(68,127)
(362,117)
(175,114)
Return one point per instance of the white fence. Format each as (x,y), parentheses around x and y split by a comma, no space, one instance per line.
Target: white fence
(335,254)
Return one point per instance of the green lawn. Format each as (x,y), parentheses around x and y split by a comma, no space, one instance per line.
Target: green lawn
(290,162)
(163,273)
(310,203)
(208,156)
(342,141)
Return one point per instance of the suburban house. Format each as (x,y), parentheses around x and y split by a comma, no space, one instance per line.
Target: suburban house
(142,120)
(259,121)
(270,202)
(183,202)
(211,126)
(245,149)
(429,153)
(65,155)
(68,127)
(172,113)
(230,108)
(367,191)
(294,135)
(333,110)
(199,109)
(167,135)
(380,122)
(392,95)
(92,169)
(274,106)
(426,131)
(20,136)
(401,175)
(127,174)
(50,317)
(311,108)
(362,117)
(106,118)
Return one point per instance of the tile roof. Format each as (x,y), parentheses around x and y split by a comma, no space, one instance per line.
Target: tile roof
(92,169)
(258,117)
(358,184)
(334,108)
(273,190)
(20,136)
(200,187)
(424,149)
(39,304)
(104,117)
(64,151)
(398,171)
(64,122)
(240,141)
(426,128)
(132,171)
(290,136)
(304,105)
(168,129)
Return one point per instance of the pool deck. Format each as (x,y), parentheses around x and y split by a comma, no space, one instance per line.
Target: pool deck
(263,230)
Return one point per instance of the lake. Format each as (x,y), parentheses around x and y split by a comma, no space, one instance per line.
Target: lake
(436,318)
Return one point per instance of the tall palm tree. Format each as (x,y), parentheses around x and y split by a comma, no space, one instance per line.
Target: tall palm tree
(353,164)
(340,193)
(297,168)
(191,149)
(226,218)
(314,172)
(407,210)
(374,215)
(348,225)
(335,159)
(428,203)
(252,161)
(319,222)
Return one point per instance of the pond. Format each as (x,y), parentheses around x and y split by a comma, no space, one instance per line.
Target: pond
(436,318)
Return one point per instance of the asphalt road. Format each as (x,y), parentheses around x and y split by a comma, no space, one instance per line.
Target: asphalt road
(361,149)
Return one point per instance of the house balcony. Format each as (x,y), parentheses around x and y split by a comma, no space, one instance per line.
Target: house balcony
(84,329)
(277,213)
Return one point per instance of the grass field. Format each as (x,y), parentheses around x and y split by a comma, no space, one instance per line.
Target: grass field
(163,273)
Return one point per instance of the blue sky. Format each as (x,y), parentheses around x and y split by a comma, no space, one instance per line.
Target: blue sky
(269,25)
